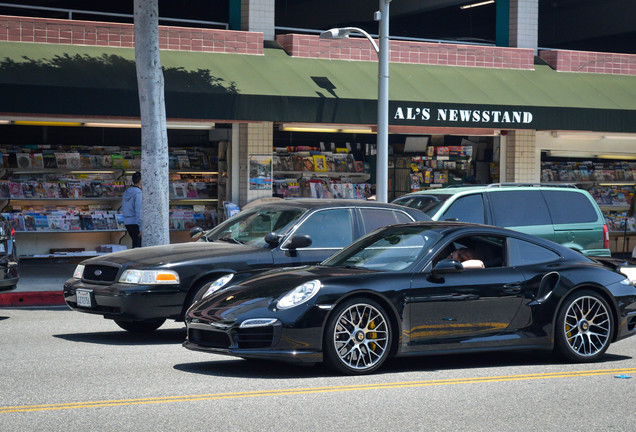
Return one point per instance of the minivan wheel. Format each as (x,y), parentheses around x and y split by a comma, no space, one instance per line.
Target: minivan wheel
(584,327)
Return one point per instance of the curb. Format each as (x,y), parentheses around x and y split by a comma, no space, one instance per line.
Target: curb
(36,298)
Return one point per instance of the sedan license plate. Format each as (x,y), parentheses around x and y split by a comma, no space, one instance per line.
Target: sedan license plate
(84,298)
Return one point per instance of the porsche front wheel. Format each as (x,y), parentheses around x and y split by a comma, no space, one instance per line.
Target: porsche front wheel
(358,337)
(584,327)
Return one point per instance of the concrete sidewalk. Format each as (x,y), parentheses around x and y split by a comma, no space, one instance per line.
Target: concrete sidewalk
(40,284)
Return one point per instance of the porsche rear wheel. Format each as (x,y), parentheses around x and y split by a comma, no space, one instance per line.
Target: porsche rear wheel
(358,337)
(585,327)
(143,326)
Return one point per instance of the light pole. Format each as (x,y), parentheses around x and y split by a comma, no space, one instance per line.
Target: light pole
(382,164)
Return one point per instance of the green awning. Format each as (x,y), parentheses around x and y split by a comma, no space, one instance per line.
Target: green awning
(49,79)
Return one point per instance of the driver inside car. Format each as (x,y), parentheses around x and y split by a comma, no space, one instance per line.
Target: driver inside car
(466,256)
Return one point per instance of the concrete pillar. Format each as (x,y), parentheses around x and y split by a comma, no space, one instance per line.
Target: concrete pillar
(258,16)
(520,157)
(524,24)
(254,139)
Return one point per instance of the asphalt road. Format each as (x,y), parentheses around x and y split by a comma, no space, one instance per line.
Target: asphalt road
(63,370)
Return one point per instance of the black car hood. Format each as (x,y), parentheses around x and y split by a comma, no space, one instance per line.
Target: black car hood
(153,256)
(267,286)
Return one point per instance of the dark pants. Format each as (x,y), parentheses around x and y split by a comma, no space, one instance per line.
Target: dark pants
(133,232)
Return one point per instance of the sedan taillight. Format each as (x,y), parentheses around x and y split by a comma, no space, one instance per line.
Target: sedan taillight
(605,237)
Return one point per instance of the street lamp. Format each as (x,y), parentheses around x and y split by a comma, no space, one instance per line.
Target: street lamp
(382,167)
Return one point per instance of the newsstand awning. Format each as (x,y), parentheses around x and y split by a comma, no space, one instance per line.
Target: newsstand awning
(78,81)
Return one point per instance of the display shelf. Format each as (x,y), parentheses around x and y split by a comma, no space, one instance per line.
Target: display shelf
(71,231)
(332,174)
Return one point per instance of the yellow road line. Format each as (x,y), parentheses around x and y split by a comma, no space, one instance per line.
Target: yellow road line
(310,390)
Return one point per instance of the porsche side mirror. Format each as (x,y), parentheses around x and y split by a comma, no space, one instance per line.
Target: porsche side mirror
(196,232)
(299,241)
(272,239)
(447,266)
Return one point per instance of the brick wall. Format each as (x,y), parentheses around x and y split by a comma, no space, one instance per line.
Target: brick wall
(408,52)
(590,62)
(44,30)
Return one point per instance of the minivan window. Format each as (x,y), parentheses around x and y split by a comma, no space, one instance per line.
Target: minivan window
(469,208)
(570,207)
(519,208)
(376,218)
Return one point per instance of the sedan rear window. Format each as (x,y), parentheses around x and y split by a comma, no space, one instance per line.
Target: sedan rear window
(428,204)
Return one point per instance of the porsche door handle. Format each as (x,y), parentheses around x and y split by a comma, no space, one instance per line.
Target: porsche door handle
(513,288)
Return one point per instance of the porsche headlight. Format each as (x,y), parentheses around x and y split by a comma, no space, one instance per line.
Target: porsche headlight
(299,294)
(218,284)
(149,277)
(79,271)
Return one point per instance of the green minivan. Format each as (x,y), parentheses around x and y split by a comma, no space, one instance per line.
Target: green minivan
(563,214)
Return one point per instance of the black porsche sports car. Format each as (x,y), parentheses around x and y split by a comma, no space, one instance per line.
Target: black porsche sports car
(398,292)
(140,288)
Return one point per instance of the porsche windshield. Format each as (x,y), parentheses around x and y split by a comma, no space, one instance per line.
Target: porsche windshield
(252,226)
(391,249)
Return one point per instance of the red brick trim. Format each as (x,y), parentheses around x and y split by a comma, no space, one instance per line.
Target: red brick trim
(58,31)
(311,46)
(590,62)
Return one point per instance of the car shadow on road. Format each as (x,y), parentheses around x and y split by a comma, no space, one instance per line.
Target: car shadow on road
(483,360)
(158,337)
(239,368)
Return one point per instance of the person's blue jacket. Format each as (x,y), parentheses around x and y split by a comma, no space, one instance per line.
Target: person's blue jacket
(131,206)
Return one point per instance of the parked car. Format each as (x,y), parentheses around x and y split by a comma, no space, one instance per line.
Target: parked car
(141,288)
(396,292)
(9,261)
(566,215)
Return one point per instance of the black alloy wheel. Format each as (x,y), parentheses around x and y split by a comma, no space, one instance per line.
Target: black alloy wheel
(584,327)
(357,338)
(143,326)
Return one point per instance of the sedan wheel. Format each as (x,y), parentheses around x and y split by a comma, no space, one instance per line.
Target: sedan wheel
(584,327)
(358,337)
(144,326)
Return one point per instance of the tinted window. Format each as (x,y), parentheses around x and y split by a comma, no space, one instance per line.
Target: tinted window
(376,218)
(519,208)
(525,253)
(428,204)
(570,207)
(469,208)
(328,228)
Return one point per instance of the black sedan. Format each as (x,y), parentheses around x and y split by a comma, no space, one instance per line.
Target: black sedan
(398,292)
(141,288)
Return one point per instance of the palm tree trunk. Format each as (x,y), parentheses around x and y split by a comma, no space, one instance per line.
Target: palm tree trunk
(154,138)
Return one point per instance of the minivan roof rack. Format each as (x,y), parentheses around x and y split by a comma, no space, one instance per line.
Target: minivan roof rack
(566,185)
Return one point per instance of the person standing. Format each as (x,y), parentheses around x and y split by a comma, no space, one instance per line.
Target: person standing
(131,208)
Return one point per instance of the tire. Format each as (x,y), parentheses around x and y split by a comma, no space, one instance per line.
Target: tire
(584,327)
(143,326)
(357,338)
(195,294)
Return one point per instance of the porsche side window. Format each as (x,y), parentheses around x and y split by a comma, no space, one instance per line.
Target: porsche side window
(328,228)
(522,253)
(487,249)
